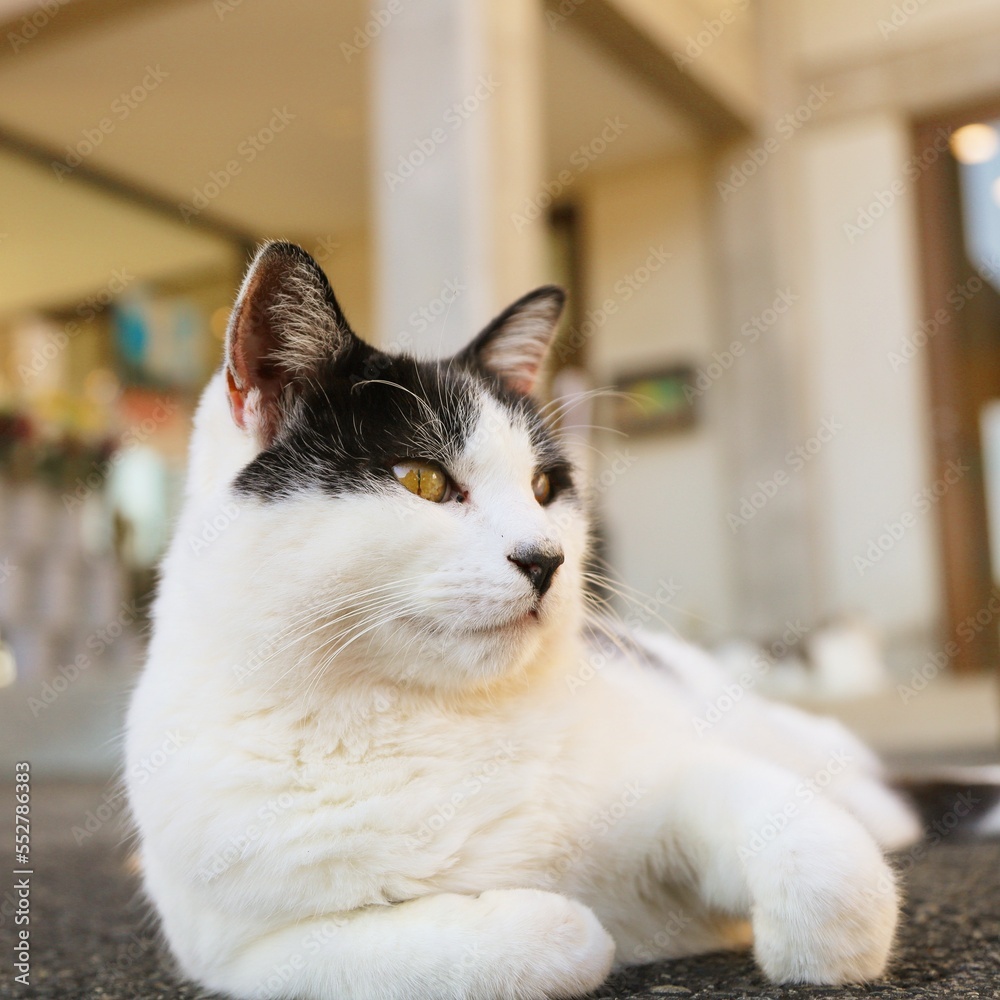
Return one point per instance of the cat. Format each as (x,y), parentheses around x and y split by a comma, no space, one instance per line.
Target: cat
(382,749)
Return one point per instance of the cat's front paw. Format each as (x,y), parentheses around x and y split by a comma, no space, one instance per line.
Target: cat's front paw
(826,912)
(565,950)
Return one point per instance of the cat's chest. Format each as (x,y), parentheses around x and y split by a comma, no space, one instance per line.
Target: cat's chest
(416,760)
(421,789)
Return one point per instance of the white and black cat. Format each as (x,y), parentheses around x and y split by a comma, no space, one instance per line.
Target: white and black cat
(379,750)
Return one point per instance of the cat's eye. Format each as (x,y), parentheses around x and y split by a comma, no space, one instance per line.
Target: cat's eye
(541,486)
(424,479)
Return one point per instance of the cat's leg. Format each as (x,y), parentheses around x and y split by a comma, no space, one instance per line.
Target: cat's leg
(820,749)
(821,899)
(747,839)
(505,944)
(831,759)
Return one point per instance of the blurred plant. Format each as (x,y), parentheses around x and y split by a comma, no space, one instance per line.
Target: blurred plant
(25,454)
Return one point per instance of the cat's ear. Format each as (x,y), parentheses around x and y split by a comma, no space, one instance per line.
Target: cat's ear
(285,327)
(514,344)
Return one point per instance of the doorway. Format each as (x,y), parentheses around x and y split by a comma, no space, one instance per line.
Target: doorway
(957,155)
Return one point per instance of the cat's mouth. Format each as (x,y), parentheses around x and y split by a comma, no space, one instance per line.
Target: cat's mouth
(511,625)
(522,621)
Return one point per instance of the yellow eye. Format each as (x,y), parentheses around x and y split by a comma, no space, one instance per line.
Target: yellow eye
(423,479)
(541,487)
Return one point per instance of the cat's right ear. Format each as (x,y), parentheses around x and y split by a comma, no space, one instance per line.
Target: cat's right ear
(285,327)
(514,345)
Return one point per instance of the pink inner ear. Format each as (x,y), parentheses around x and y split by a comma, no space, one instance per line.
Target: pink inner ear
(522,384)
(237,401)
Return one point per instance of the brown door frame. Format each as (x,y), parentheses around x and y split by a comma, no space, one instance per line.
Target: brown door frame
(961,511)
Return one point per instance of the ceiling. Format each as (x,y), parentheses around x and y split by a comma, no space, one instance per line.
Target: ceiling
(210,75)
(52,256)
(224,76)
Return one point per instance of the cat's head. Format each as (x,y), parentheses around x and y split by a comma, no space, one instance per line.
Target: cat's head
(412,519)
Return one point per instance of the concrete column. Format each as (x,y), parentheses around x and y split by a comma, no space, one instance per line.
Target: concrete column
(774,549)
(457,148)
(772,544)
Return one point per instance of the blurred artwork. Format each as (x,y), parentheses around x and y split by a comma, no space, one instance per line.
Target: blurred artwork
(655,401)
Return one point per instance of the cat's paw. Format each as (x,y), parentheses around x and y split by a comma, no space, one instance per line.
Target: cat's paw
(827,910)
(565,950)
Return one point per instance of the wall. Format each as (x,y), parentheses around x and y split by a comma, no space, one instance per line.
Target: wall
(851,240)
(875,540)
(885,63)
(347,261)
(664,512)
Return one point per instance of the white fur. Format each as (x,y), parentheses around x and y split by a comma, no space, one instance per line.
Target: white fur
(437,796)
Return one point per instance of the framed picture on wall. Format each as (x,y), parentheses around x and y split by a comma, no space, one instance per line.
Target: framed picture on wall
(658,400)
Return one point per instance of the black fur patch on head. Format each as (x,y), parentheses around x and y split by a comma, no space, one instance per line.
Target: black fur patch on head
(356,418)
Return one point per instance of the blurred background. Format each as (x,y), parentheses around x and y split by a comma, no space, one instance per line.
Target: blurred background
(779,222)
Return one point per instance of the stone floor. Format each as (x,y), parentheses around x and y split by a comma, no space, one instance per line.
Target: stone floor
(93,937)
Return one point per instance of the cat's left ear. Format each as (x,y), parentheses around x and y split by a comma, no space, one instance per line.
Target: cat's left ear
(285,327)
(514,344)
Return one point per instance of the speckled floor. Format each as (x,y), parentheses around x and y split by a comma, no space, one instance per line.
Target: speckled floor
(92,937)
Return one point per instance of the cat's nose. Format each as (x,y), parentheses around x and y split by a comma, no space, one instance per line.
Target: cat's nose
(539,566)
